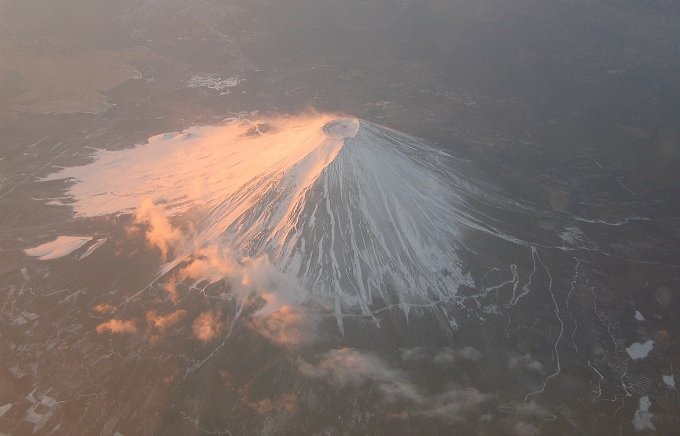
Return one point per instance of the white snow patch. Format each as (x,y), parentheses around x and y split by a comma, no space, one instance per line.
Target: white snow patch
(669,380)
(574,236)
(4,409)
(41,411)
(60,247)
(19,320)
(642,420)
(639,350)
(213,81)
(639,316)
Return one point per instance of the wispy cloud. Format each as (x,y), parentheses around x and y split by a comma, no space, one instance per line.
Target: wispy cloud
(525,362)
(442,357)
(159,232)
(526,409)
(288,325)
(207,326)
(163,322)
(104,308)
(280,318)
(346,367)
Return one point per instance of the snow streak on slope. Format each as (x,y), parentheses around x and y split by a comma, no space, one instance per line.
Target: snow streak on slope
(357,212)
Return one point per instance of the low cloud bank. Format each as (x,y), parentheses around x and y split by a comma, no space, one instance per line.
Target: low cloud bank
(443,357)
(280,319)
(346,367)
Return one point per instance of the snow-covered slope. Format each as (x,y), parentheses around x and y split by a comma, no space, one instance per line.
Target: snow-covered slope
(356,212)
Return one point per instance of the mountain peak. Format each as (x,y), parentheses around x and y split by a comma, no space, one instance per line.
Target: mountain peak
(356,212)
(342,128)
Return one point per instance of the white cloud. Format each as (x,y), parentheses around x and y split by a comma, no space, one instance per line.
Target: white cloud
(525,362)
(280,319)
(288,326)
(159,232)
(345,367)
(117,326)
(443,357)
(164,322)
(448,355)
(207,326)
(527,409)
(415,354)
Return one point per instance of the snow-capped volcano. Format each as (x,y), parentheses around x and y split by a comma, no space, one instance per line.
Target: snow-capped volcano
(353,210)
